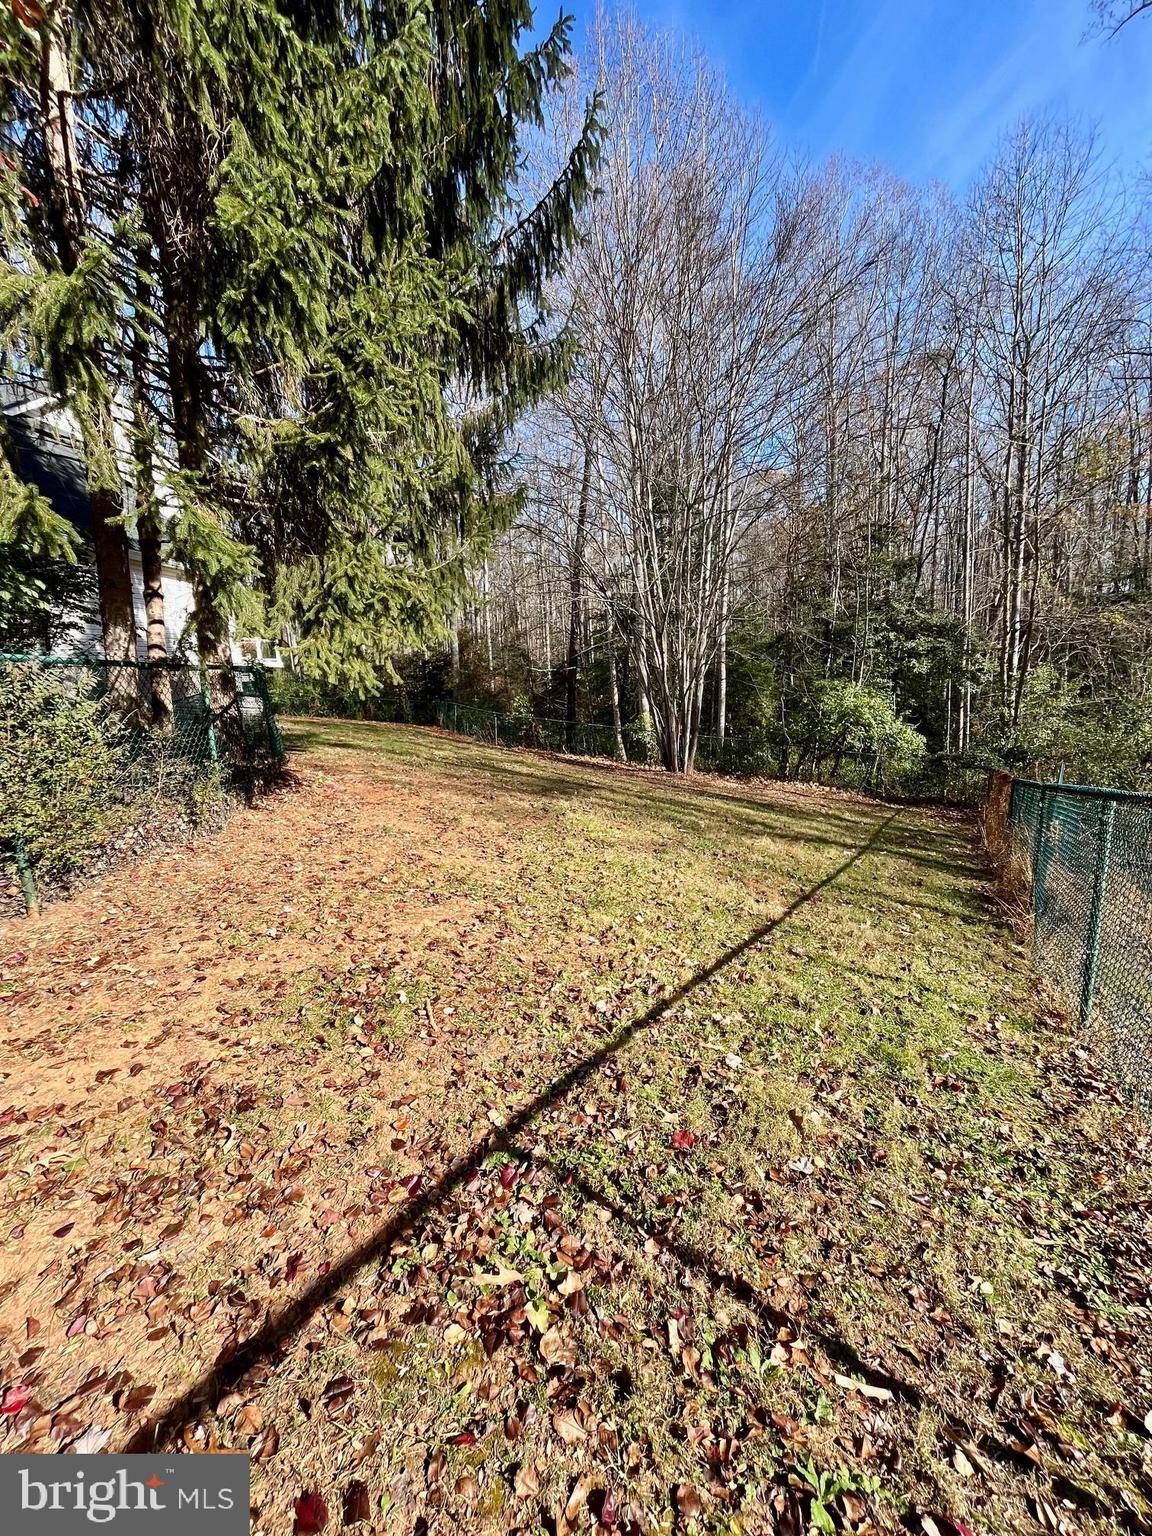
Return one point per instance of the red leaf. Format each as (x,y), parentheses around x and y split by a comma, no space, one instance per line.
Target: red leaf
(508,1175)
(311,1514)
(682,1140)
(77,1325)
(28,12)
(293,1267)
(466,1437)
(14,1399)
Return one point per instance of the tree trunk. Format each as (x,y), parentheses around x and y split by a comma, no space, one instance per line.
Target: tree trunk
(575,601)
(151,559)
(488,625)
(454,653)
(722,664)
(614,697)
(149,532)
(114,590)
(69,215)
(188,393)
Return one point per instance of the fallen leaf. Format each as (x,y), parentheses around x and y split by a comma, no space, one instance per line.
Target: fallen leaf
(357,1504)
(269,1445)
(569,1427)
(577,1499)
(865,1389)
(311,1514)
(527,1483)
(688,1501)
(557,1347)
(14,1399)
(91,1442)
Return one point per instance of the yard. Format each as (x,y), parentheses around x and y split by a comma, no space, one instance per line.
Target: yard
(491,1142)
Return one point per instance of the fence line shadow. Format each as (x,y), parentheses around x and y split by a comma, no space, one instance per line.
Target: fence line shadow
(222,1377)
(838,1350)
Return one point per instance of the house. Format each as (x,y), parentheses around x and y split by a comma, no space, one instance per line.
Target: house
(48,454)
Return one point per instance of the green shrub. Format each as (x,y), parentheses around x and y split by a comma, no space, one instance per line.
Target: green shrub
(1097,740)
(62,768)
(857,725)
(78,777)
(517,723)
(640,742)
(293,694)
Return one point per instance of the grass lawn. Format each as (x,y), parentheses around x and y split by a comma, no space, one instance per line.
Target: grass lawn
(487,1142)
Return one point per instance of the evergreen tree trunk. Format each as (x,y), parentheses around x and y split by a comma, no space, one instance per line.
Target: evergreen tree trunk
(114,592)
(188,393)
(70,218)
(149,532)
(454,652)
(151,558)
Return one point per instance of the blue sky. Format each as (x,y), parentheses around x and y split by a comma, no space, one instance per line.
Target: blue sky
(923,86)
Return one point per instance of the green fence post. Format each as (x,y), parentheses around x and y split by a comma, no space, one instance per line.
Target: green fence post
(27,876)
(1096,919)
(1036,839)
(213,745)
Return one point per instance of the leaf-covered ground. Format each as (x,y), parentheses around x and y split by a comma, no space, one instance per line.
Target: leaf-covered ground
(493,1143)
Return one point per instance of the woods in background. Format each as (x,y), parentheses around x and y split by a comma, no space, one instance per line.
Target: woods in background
(850,470)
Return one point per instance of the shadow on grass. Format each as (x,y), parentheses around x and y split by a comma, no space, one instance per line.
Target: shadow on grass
(268,1340)
(838,1351)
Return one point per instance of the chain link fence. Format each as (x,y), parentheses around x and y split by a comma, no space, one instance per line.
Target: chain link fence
(1089,851)
(218,714)
(714,754)
(100,755)
(524,730)
(739,755)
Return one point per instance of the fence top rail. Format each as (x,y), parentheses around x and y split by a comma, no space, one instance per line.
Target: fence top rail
(1092,791)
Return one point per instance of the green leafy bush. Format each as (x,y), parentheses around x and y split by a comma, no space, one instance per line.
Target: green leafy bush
(80,778)
(62,768)
(640,742)
(1096,740)
(294,694)
(854,724)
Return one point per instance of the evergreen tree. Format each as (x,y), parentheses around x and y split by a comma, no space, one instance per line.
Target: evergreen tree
(60,300)
(316,213)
